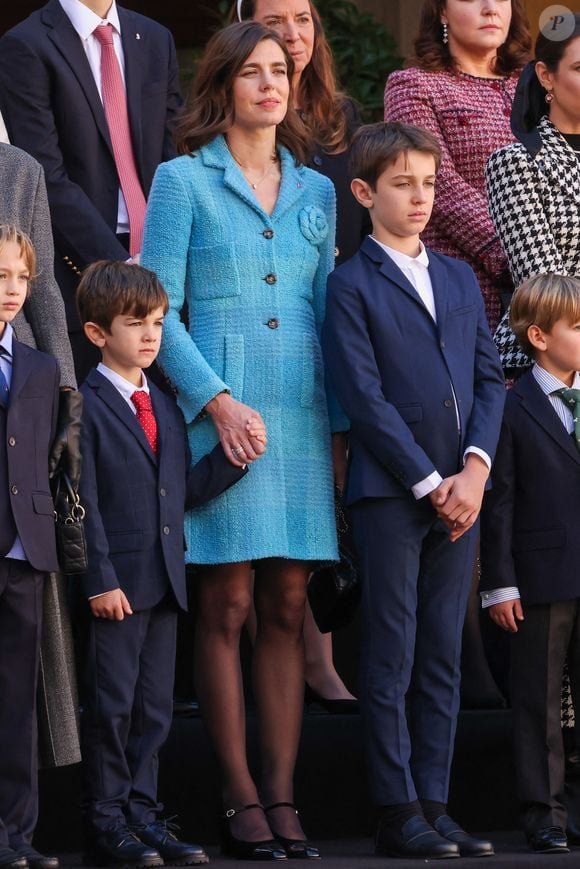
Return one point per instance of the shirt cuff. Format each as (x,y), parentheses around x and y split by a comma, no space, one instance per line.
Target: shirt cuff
(429,484)
(498,595)
(481,453)
(95,596)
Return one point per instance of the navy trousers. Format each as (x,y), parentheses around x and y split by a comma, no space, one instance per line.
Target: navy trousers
(20,631)
(415,585)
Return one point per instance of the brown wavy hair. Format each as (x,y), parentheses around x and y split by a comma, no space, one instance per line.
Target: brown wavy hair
(432,54)
(210,110)
(323,107)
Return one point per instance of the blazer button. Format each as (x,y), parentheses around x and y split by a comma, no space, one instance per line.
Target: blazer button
(270,279)
(166,529)
(268,233)
(336,252)
(448,402)
(273,323)
(163,492)
(14,490)
(12,441)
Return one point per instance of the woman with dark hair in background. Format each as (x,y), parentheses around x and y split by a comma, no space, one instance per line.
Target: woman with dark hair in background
(331,119)
(243,233)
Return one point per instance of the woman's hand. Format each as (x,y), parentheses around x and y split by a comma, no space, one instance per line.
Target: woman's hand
(339,459)
(241,429)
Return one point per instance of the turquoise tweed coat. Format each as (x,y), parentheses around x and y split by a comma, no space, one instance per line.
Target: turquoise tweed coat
(255,290)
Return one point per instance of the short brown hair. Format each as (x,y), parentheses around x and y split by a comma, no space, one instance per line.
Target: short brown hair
(376,146)
(433,54)
(10,234)
(210,112)
(541,301)
(107,289)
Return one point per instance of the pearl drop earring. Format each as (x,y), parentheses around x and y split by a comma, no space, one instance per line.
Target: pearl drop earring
(445,34)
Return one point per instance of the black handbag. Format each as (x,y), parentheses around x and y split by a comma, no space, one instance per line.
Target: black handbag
(334,589)
(69,514)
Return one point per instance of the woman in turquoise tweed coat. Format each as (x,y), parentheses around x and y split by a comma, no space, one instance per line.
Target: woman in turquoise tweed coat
(243,235)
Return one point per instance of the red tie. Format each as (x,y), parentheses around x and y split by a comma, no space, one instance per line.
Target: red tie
(145,415)
(115,105)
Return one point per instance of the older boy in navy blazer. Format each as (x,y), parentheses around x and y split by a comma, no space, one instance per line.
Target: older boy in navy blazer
(29,382)
(410,354)
(136,484)
(529,546)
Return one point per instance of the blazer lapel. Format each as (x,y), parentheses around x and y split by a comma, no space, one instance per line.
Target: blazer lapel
(438,275)
(117,404)
(157,399)
(134,49)
(392,272)
(560,161)
(291,185)
(538,406)
(22,363)
(68,43)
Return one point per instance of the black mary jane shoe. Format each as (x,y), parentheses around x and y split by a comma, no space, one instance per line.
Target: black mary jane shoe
(240,849)
(299,849)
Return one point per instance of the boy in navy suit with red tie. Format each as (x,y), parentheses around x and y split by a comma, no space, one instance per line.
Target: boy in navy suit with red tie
(529,547)
(136,484)
(29,383)
(409,351)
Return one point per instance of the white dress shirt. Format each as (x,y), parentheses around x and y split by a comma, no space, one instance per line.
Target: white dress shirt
(3,131)
(125,387)
(84,21)
(416,270)
(17,550)
(549,385)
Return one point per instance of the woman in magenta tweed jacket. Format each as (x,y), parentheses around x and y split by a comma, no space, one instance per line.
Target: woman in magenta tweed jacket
(468,57)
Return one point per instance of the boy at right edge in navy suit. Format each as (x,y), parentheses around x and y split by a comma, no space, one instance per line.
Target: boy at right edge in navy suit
(136,484)
(410,355)
(529,546)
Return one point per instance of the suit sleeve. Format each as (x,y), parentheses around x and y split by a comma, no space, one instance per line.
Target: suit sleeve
(497,517)
(209,477)
(353,370)
(460,210)
(174,102)
(100,576)
(25,102)
(44,308)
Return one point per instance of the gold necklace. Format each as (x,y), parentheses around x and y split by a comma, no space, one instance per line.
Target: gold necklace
(255,184)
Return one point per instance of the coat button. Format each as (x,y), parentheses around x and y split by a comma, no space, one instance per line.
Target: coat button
(273,323)
(12,441)
(166,529)
(163,492)
(270,279)
(448,402)
(14,490)
(268,233)
(336,252)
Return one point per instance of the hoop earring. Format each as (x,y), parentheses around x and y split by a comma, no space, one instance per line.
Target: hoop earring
(549,97)
(240,9)
(445,37)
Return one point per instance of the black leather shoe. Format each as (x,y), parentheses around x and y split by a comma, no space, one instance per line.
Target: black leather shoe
(161,835)
(240,849)
(9,859)
(36,860)
(416,838)
(297,848)
(468,845)
(549,840)
(342,706)
(121,847)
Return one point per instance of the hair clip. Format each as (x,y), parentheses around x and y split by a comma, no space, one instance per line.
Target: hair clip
(240,9)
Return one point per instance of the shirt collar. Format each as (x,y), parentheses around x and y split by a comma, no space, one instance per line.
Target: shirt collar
(84,20)
(6,340)
(125,387)
(401,259)
(548,383)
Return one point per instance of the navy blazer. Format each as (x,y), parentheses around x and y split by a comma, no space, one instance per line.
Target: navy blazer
(52,109)
(30,430)
(135,500)
(531,516)
(396,372)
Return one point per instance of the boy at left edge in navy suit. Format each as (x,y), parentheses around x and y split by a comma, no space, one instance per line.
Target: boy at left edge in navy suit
(136,484)
(29,383)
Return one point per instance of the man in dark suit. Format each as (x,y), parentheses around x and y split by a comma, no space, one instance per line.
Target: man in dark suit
(529,545)
(29,382)
(410,355)
(136,484)
(54,102)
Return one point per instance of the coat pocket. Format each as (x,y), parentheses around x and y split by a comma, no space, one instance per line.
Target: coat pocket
(125,541)
(410,412)
(214,272)
(546,538)
(234,365)
(43,503)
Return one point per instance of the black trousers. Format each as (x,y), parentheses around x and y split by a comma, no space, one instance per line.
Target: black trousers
(20,630)
(548,636)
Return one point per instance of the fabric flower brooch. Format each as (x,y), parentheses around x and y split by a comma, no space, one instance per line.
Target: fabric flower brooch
(313,224)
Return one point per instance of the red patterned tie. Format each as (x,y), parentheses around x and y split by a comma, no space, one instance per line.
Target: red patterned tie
(145,415)
(115,105)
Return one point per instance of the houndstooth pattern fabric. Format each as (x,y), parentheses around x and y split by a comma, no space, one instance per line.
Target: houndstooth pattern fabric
(534,203)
